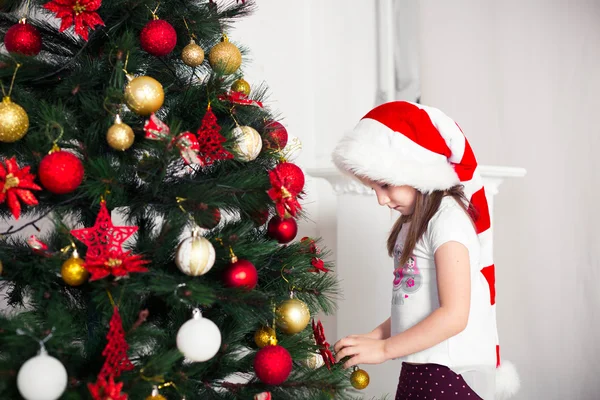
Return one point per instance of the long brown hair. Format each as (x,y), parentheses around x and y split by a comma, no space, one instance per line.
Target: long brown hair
(426,205)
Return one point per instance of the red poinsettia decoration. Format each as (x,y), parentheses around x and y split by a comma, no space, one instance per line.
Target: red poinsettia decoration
(287,183)
(316,262)
(107,389)
(116,263)
(16,185)
(81,13)
(211,140)
(319,333)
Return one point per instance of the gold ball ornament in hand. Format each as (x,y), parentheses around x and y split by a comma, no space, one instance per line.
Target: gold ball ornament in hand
(359,379)
(265,336)
(120,136)
(192,54)
(248,143)
(14,121)
(73,271)
(225,57)
(144,95)
(241,86)
(292,316)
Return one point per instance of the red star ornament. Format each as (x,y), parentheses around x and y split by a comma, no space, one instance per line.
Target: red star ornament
(81,13)
(16,185)
(103,238)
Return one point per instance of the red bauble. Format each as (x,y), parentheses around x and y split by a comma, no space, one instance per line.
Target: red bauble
(158,37)
(61,172)
(23,38)
(273,365)
(291,176)
(276,136)
(241,274)
(283,230)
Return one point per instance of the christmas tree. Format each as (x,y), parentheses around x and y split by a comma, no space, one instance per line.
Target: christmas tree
(164,262)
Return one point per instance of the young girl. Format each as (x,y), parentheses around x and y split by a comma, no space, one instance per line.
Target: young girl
(443,322)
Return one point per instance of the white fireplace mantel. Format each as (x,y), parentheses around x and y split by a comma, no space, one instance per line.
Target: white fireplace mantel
(355,228)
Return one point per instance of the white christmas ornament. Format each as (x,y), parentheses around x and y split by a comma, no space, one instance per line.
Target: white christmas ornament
(248,143)
(199,339)
(42,377)
(195,255)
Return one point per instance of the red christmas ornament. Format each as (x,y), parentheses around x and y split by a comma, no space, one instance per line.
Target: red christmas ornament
(103,238)
(81,13)
(158,37)
(23,38)
(115,263)
(241,274)
(16,185)
(273,365)
(107,389)
(276,136)
(211,140)
(116,349)
(287,181)
(324,346)
(283,230)
(61,172)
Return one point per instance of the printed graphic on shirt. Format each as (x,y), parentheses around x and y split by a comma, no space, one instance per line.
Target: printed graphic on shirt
(407,280)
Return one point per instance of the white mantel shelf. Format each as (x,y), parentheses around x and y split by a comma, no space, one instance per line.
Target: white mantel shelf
(493,176)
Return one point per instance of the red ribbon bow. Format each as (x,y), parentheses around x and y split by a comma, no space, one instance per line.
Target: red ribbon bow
(239,98)
(319,333)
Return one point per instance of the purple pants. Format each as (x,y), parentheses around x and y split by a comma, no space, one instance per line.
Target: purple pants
(432,382)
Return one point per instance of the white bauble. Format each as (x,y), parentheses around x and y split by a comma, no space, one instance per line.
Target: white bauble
(195,256)
(42,378)
(199,339)
(248,143)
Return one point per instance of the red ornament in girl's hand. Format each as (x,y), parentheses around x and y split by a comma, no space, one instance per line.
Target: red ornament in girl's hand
(283,230)
(158,37)
(241,274)
(23,38)
(61,172)
(273,365)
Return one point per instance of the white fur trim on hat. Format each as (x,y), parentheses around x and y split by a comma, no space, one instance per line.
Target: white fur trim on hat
(374,151)
(507,380)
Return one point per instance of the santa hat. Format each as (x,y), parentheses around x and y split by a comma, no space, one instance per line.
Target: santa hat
(403,143)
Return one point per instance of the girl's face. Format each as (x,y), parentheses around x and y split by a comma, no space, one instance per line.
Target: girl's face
(399,198)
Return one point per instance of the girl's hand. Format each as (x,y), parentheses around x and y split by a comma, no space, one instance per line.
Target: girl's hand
(361,349)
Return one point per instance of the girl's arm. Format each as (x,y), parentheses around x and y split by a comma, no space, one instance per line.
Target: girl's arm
(454,290)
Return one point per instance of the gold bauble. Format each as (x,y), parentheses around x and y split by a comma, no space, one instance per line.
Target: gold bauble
(359,379)
(14,121)
(248,143)
(1,267)
(192,54)
(120,136)
(241,86)
(156,397)
(292,316)
(73,271)
(144,95)
(225,57)
(265,336)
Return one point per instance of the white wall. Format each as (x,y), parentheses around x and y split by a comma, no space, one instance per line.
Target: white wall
(521,77)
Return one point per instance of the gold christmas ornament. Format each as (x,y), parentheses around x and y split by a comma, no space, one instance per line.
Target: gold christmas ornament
(265,336)
(225,57)
(120,136)
(292,316)
(155,395)
(359,378)
(241,86)
(195,256)
(1,268)
(192,54)
(14,121)
(144,95)
(73,271)
(248,143)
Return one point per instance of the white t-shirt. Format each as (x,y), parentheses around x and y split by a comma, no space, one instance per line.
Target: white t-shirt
(415,296)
